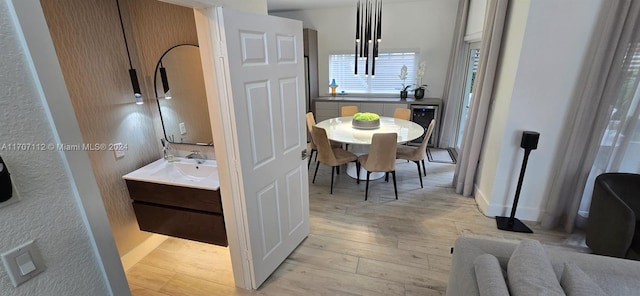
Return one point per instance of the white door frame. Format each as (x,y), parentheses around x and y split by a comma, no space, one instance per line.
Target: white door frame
(45,65)
(227,152)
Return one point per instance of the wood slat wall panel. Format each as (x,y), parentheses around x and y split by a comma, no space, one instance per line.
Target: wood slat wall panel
(89,44)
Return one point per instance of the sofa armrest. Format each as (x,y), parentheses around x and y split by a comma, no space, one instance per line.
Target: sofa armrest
(462,278)
(611,223)
(490,276)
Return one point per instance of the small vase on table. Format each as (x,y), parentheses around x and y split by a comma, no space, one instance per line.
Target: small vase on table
(418,93)
(403,94)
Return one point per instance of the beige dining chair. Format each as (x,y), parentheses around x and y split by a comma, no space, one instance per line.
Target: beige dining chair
(348,110)
(402,113)
(381,158)
(311,121)
(327,155)
(417,154)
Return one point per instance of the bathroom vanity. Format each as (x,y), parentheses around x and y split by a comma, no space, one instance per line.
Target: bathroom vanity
(180,199)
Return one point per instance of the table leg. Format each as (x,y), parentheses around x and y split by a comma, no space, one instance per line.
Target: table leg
(351,167)
(352,172)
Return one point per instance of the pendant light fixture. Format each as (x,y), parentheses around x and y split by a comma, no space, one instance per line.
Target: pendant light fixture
(165,82)
(368,34)
(132,72)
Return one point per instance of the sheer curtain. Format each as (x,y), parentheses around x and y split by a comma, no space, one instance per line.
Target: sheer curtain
(604,135)
(619,149)
(465,174)
(453,90)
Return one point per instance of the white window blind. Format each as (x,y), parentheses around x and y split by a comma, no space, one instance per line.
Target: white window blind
(386,80)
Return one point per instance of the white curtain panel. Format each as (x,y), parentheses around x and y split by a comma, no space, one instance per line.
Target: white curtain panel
(605,122)
(465,174)
(452,97)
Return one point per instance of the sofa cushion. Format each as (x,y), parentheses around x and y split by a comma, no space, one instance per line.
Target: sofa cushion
(575,282)
(530,272)
(489,276)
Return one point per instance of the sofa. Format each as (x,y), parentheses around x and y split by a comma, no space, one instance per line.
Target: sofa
(488,267)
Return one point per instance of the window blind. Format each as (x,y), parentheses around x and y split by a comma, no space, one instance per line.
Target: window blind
(386,80)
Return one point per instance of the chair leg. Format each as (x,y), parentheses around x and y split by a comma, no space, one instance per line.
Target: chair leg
(366,190)
(386,177)
(332,170)
(314,174)
(424,170)
(338,170)
(395,188)
(310,157)
(357,172)
(419,173)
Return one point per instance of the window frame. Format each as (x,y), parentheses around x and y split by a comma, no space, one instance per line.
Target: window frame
(411,77)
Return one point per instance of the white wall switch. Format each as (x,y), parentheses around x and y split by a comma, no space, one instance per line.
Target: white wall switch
(23,263)
(118,150)
(183,129)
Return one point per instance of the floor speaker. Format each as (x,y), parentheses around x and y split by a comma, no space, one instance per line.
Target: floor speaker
(529,142)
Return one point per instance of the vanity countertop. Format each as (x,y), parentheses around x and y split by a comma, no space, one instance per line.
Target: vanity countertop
(181,172)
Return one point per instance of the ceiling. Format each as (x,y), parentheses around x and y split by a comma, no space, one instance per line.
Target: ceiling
(282,5)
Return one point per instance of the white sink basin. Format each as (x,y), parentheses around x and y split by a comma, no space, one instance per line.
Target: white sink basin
(195,170)
(182,172)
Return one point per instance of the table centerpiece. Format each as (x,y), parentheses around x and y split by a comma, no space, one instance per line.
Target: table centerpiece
(365,120)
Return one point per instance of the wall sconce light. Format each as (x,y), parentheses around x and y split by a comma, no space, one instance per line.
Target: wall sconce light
(165,82)
(135,84)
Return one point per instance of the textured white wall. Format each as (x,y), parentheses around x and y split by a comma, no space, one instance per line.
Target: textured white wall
(426,26)
(556,40)
(48,211)
(512,40)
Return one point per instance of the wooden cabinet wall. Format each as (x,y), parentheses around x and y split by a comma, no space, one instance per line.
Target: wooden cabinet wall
(310,38)
(183,212)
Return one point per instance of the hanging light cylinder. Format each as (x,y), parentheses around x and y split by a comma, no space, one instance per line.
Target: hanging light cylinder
(368,34)
(135,84)
(165,82)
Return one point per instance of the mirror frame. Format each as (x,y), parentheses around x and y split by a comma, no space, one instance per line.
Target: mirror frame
(155,90)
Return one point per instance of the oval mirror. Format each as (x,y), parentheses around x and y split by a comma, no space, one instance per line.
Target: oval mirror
(181,96)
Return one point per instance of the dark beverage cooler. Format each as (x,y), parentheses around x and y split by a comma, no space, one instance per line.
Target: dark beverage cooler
(422,115)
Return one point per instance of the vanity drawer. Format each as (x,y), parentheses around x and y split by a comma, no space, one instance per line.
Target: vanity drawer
(188,224)
(175,196)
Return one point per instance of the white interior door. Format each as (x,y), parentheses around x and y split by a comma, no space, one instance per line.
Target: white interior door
(264,84)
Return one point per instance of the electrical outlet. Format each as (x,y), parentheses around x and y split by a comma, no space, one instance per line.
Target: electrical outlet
(183,128)
(23,263)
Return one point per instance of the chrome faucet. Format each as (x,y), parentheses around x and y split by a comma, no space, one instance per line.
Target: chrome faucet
(195,154)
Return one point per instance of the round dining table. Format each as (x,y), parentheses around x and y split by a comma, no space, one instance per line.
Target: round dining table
(339,129)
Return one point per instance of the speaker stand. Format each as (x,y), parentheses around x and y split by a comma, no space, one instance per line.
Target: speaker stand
(515,226)
(511,223)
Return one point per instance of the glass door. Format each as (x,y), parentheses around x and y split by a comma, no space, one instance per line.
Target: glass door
(472,68)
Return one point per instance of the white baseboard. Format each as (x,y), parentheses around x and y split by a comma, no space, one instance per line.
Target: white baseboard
(581,219)
(134,256)
(493,210)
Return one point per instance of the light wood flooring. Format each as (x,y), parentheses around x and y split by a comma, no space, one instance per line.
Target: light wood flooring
(381,246)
